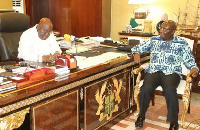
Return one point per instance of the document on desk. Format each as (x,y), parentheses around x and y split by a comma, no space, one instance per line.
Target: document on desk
(21,70)
(100,59)
(89,42)
(77,49)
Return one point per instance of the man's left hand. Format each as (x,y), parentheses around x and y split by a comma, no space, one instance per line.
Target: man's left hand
(56,54)
(194,72)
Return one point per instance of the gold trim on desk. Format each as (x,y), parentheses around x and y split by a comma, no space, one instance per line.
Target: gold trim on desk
(13,120)
(45,95)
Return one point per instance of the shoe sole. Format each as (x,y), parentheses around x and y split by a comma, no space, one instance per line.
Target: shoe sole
(138,127)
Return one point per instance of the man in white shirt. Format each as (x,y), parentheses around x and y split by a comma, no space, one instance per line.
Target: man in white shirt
(38,43)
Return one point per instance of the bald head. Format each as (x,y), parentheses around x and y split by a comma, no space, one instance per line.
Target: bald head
(44,28)
(172,24)
(167,30)
(46,23)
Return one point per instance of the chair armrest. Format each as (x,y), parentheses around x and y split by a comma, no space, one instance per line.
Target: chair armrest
(189,78)
(186,95)
(188,82)
(139,69)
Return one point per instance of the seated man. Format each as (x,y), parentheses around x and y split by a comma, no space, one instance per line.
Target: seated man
(167,52)
(38,43)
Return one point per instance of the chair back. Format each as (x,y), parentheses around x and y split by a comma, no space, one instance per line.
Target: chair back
(12,25)
(192,41)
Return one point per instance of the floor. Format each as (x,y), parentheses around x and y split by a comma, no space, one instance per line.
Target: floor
(156,116)
(195,98)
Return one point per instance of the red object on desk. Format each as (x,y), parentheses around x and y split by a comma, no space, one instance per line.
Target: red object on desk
(62,61)
(36,76)
(67,60)
(38,73)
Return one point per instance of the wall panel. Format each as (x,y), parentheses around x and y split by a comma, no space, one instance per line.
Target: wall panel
(75,17)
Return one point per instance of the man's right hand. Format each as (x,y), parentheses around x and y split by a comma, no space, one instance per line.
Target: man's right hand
(137,58)
(48,58)
(194,72)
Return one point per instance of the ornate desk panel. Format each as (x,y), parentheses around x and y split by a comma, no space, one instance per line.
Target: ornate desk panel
(105,99)
(61,112)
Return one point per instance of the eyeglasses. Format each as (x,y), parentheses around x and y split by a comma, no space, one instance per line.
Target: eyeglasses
(45,32)
(164,29)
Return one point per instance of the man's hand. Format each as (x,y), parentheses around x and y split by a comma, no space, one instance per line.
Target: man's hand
(194,72)
(48,58)
(56,54)
(137,58)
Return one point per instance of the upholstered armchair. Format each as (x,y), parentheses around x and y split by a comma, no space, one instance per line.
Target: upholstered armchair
(183,90)
(12,25)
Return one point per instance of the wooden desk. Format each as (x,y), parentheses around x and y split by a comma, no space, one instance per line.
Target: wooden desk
(124,36)
(88,99)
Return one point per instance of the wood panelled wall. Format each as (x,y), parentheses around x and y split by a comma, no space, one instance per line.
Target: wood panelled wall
(74,17)
(106,18)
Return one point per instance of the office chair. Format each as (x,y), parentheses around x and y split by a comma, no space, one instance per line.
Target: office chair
(184,88)
(12,25)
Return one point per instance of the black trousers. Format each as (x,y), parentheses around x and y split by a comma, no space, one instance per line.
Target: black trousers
(169,83)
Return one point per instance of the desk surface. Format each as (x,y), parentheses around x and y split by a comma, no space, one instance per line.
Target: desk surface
(45,88)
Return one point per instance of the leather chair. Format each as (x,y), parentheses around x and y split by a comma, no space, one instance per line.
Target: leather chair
(184,88)
(12,25)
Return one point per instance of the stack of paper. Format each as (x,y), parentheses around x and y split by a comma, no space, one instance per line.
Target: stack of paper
(2,70)
(6,85)
(62,73)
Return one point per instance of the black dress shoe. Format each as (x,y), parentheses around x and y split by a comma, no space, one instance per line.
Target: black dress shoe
(173,126)
(139,122)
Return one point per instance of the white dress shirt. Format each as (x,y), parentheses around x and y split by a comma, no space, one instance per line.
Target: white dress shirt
(32,48)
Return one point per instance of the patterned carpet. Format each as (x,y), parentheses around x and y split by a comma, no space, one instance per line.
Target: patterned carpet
(156,117)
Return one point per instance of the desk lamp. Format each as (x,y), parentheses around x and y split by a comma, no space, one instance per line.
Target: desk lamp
(140,13)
